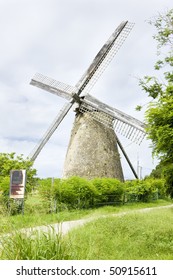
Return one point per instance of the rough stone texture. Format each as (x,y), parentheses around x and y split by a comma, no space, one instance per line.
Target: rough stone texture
(92,151)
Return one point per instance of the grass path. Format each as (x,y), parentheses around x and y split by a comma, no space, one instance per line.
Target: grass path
(64,227)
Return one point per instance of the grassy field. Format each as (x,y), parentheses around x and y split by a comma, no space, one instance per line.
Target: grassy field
(11,223)
(133,236)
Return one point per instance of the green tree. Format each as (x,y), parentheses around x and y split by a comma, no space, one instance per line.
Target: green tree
(159,114)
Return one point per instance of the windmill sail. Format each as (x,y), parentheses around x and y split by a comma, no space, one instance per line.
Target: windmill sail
(104,56)
(53,86)
(123,123)
(96,68)
(63,112)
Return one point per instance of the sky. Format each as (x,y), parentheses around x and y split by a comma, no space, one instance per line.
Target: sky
(60,38)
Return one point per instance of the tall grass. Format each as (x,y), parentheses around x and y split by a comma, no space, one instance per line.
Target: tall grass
(37,218)
(34,246)
(133,236)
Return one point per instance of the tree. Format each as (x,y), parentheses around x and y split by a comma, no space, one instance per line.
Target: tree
(159,114)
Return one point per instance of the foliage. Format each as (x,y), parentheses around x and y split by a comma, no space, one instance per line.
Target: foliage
(48,189)
(71,193)
(160,125)
(76,192)
(157,172)
(141,190)
(164,171)
(168,175)
(53,195)
(10,162)
(159,186)
(159,115)
(79,193)
(36,204)
(110,190)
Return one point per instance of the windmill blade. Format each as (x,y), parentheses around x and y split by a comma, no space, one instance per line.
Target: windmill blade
(50,131)
(125,124)
(53,86)
(99,64)
(104,57)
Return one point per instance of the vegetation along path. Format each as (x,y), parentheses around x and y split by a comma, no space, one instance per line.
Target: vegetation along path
(64,227)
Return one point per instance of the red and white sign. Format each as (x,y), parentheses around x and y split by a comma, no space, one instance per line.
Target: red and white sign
(17,183)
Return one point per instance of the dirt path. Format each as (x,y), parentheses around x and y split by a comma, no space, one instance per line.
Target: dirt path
(65,227)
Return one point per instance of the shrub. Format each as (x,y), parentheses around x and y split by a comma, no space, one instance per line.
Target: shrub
(11,206)
(144,190)
(76,192)
(159,185)
(79,193)
(110,190)
(13,161)
(168,176)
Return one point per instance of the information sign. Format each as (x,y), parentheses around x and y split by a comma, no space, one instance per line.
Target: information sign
(17,183)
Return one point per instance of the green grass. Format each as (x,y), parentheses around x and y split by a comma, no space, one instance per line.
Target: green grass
(11,223)
(134,236)
(34,246)
(131,237)
(37,218)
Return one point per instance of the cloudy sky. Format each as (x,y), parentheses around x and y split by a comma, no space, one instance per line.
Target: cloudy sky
(59,38)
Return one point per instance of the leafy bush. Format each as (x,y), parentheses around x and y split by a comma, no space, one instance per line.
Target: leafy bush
(3,208)
(8,205)
(4,189)
(76,192)
(164,170)
(10,162)
(79,193)
(168,176)
(110,190)
(52,195)
(144,190)
(159,185)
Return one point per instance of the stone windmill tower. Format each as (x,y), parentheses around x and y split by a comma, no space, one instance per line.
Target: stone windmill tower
(93,147)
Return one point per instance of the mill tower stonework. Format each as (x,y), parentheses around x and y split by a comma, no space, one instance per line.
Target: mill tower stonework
(92,150)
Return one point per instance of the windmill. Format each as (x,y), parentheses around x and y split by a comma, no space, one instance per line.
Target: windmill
(92,151)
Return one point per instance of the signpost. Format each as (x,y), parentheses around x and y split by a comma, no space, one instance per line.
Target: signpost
(17,185)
